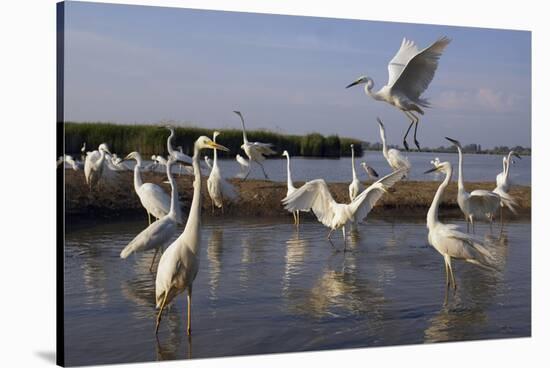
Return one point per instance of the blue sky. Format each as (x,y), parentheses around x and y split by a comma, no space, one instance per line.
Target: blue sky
(135,64)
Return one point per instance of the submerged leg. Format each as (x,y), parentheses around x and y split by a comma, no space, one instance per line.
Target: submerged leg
(344,233)
(294,215)
(453,281)
(160,312)
(297,217)
(189,292)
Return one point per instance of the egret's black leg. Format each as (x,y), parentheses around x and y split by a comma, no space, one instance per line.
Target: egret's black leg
(415,140)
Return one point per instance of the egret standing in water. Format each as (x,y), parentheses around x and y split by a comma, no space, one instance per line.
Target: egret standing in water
(316,196)
(179,264)
(159,233)
(447,239)
(355,187)
(480,204)
(395,158)
(152,197)
(94,165)
(290,188)
(219,188)
(256,151)
(410,73)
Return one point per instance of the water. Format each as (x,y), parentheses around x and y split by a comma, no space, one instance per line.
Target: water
(264,288)
(476,167)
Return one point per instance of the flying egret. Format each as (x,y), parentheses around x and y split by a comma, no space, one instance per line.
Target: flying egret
(355,187)
(315,195)
(370,170)
(290,187)
(395,158)
(256,151)
(480,204)
(447,239)
(152,197)
(159,233)
(245,165)
(219,188)
(179,264)
(410,73)
(95,164)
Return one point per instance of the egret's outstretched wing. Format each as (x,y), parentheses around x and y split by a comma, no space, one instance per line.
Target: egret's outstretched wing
(185,160)
(155,235)
(465,246)
(264,148)
(506,199)
(365,201)
(484,201)
(411,71)
(313,195)
(397,159)
(242,161)
(228,190)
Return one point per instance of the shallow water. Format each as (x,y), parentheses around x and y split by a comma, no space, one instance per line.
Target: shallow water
(264,287)
(476,167)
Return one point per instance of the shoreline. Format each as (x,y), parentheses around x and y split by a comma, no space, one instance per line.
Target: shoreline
(261,197)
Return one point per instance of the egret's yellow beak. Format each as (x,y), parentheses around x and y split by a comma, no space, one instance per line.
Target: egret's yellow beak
(217,146)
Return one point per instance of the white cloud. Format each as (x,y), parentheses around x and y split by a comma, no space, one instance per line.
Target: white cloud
(482,99)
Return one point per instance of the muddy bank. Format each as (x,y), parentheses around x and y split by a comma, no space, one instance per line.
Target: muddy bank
(258,197)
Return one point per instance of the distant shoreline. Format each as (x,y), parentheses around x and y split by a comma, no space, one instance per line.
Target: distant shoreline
(261,198)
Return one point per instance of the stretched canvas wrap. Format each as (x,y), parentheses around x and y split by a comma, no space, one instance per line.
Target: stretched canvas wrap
(237,183)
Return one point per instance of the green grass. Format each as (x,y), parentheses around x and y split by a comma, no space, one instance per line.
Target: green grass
(150,139)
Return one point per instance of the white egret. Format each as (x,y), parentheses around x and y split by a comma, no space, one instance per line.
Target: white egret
(83,152)
(75,165)
(152,197)
(159,233)
(179,264)
(256,151)
(180,156)
(503,180)
(290,187)
(369,170)
(410,73)
(480,204)
(245,165)
(208,162)
(504,183)
(219,188)
(355,187)
(160,160)
(315,195)
(395,158)
(95,164)
(447,239)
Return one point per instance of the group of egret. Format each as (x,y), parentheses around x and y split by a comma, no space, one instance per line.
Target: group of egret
(410,72)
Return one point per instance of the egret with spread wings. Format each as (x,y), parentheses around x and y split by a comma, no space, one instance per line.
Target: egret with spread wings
(256,151)
(410,73)
(316,196)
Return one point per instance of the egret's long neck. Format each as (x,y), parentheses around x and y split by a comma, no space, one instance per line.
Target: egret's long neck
(169,141)
(245,140)
(507,167)
(353,164)
(173,186)
(289,183)
(138,182)
(215,163)
(101,158)
(460,164)
(368,90)
(432,217)
(384,145)
(191,234)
